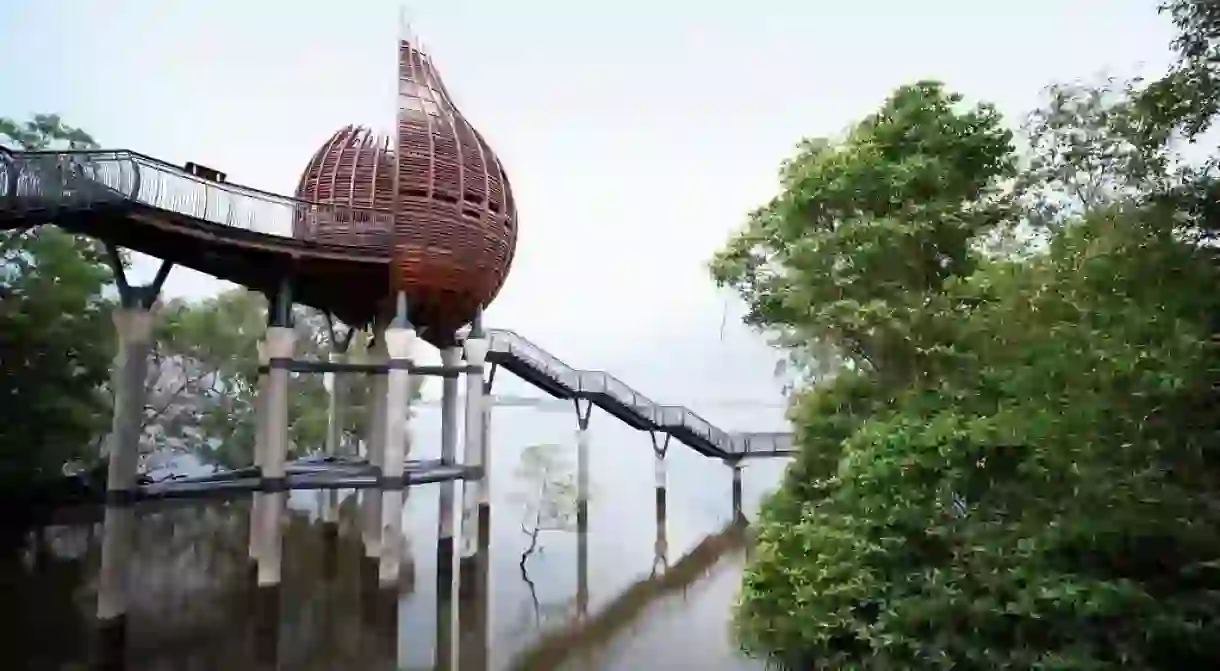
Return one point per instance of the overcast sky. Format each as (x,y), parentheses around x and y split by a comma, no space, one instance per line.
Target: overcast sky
(636,134)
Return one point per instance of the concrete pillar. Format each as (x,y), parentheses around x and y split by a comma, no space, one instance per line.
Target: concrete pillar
(134,328)
(474,494)
(371,507)
(582,508)
(737,513)
(260,446)
(335,405)
(450,356)
(661,547)
(473,569)
(280,340)
(328,499)
(266,627)
(399,343)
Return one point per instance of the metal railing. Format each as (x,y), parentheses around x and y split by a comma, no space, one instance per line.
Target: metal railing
(762,443)
(44,183)
(668,418)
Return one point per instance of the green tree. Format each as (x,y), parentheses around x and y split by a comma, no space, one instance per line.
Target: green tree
(203,377)
(547,492)
(56,339)
(1014,465)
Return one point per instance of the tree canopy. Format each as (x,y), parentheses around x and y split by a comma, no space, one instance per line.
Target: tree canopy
(1008,453)
(56,339)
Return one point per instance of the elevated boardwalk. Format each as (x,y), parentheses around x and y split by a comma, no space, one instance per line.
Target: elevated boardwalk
(550,374)
(244,235)
(229,231)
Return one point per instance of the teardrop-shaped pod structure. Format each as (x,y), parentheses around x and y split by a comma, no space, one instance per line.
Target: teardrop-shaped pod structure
(455,223)
(354,170)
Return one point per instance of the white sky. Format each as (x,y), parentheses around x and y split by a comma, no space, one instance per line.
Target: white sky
(636,134)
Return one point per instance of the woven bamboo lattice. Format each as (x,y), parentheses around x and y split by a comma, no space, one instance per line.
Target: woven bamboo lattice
(455,223)
(355,168)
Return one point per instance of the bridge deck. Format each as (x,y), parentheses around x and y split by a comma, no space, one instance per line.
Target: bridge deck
(245,236)
(229,231)
(547,372)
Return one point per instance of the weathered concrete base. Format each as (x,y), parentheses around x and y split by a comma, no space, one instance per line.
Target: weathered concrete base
(270,531)
(118,537)
(109,651)
(266,633)
(330,551)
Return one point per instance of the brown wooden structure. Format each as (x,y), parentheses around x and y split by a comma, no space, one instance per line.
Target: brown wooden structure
(454,220)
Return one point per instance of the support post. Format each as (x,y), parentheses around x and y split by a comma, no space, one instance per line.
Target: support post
(660,446)
(582,506)
(473,493)
(260,448)
(450,356)
(328,499)
(473,567)
(400,339)
(280,341)
(133,324)
(375,445)
(737,513)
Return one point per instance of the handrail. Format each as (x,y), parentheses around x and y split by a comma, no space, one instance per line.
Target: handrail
(47,181)
(166,165)
(665,417)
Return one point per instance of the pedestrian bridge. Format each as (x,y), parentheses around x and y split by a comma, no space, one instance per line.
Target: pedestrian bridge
(547,372)
(245,235)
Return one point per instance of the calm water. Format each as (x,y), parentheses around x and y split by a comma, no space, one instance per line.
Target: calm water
(193,604)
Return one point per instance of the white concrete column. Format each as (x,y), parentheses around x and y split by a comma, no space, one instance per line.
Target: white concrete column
(377,397)
(280,341)
(134,328)
(399,344)
(260,447)
(334,407)
(118,536)
(450,357)
(473,492)
(371,507)
(328,499)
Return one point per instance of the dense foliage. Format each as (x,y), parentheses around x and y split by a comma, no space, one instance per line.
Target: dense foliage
(56,339)
(1013,462)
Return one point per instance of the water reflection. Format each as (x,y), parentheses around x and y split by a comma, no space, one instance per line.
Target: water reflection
(191,599)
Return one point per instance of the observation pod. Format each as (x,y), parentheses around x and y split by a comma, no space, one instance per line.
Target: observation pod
(353,170)
(455,222)
(434,198)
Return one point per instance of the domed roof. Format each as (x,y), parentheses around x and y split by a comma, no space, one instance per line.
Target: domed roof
(455,227)
(353,169)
